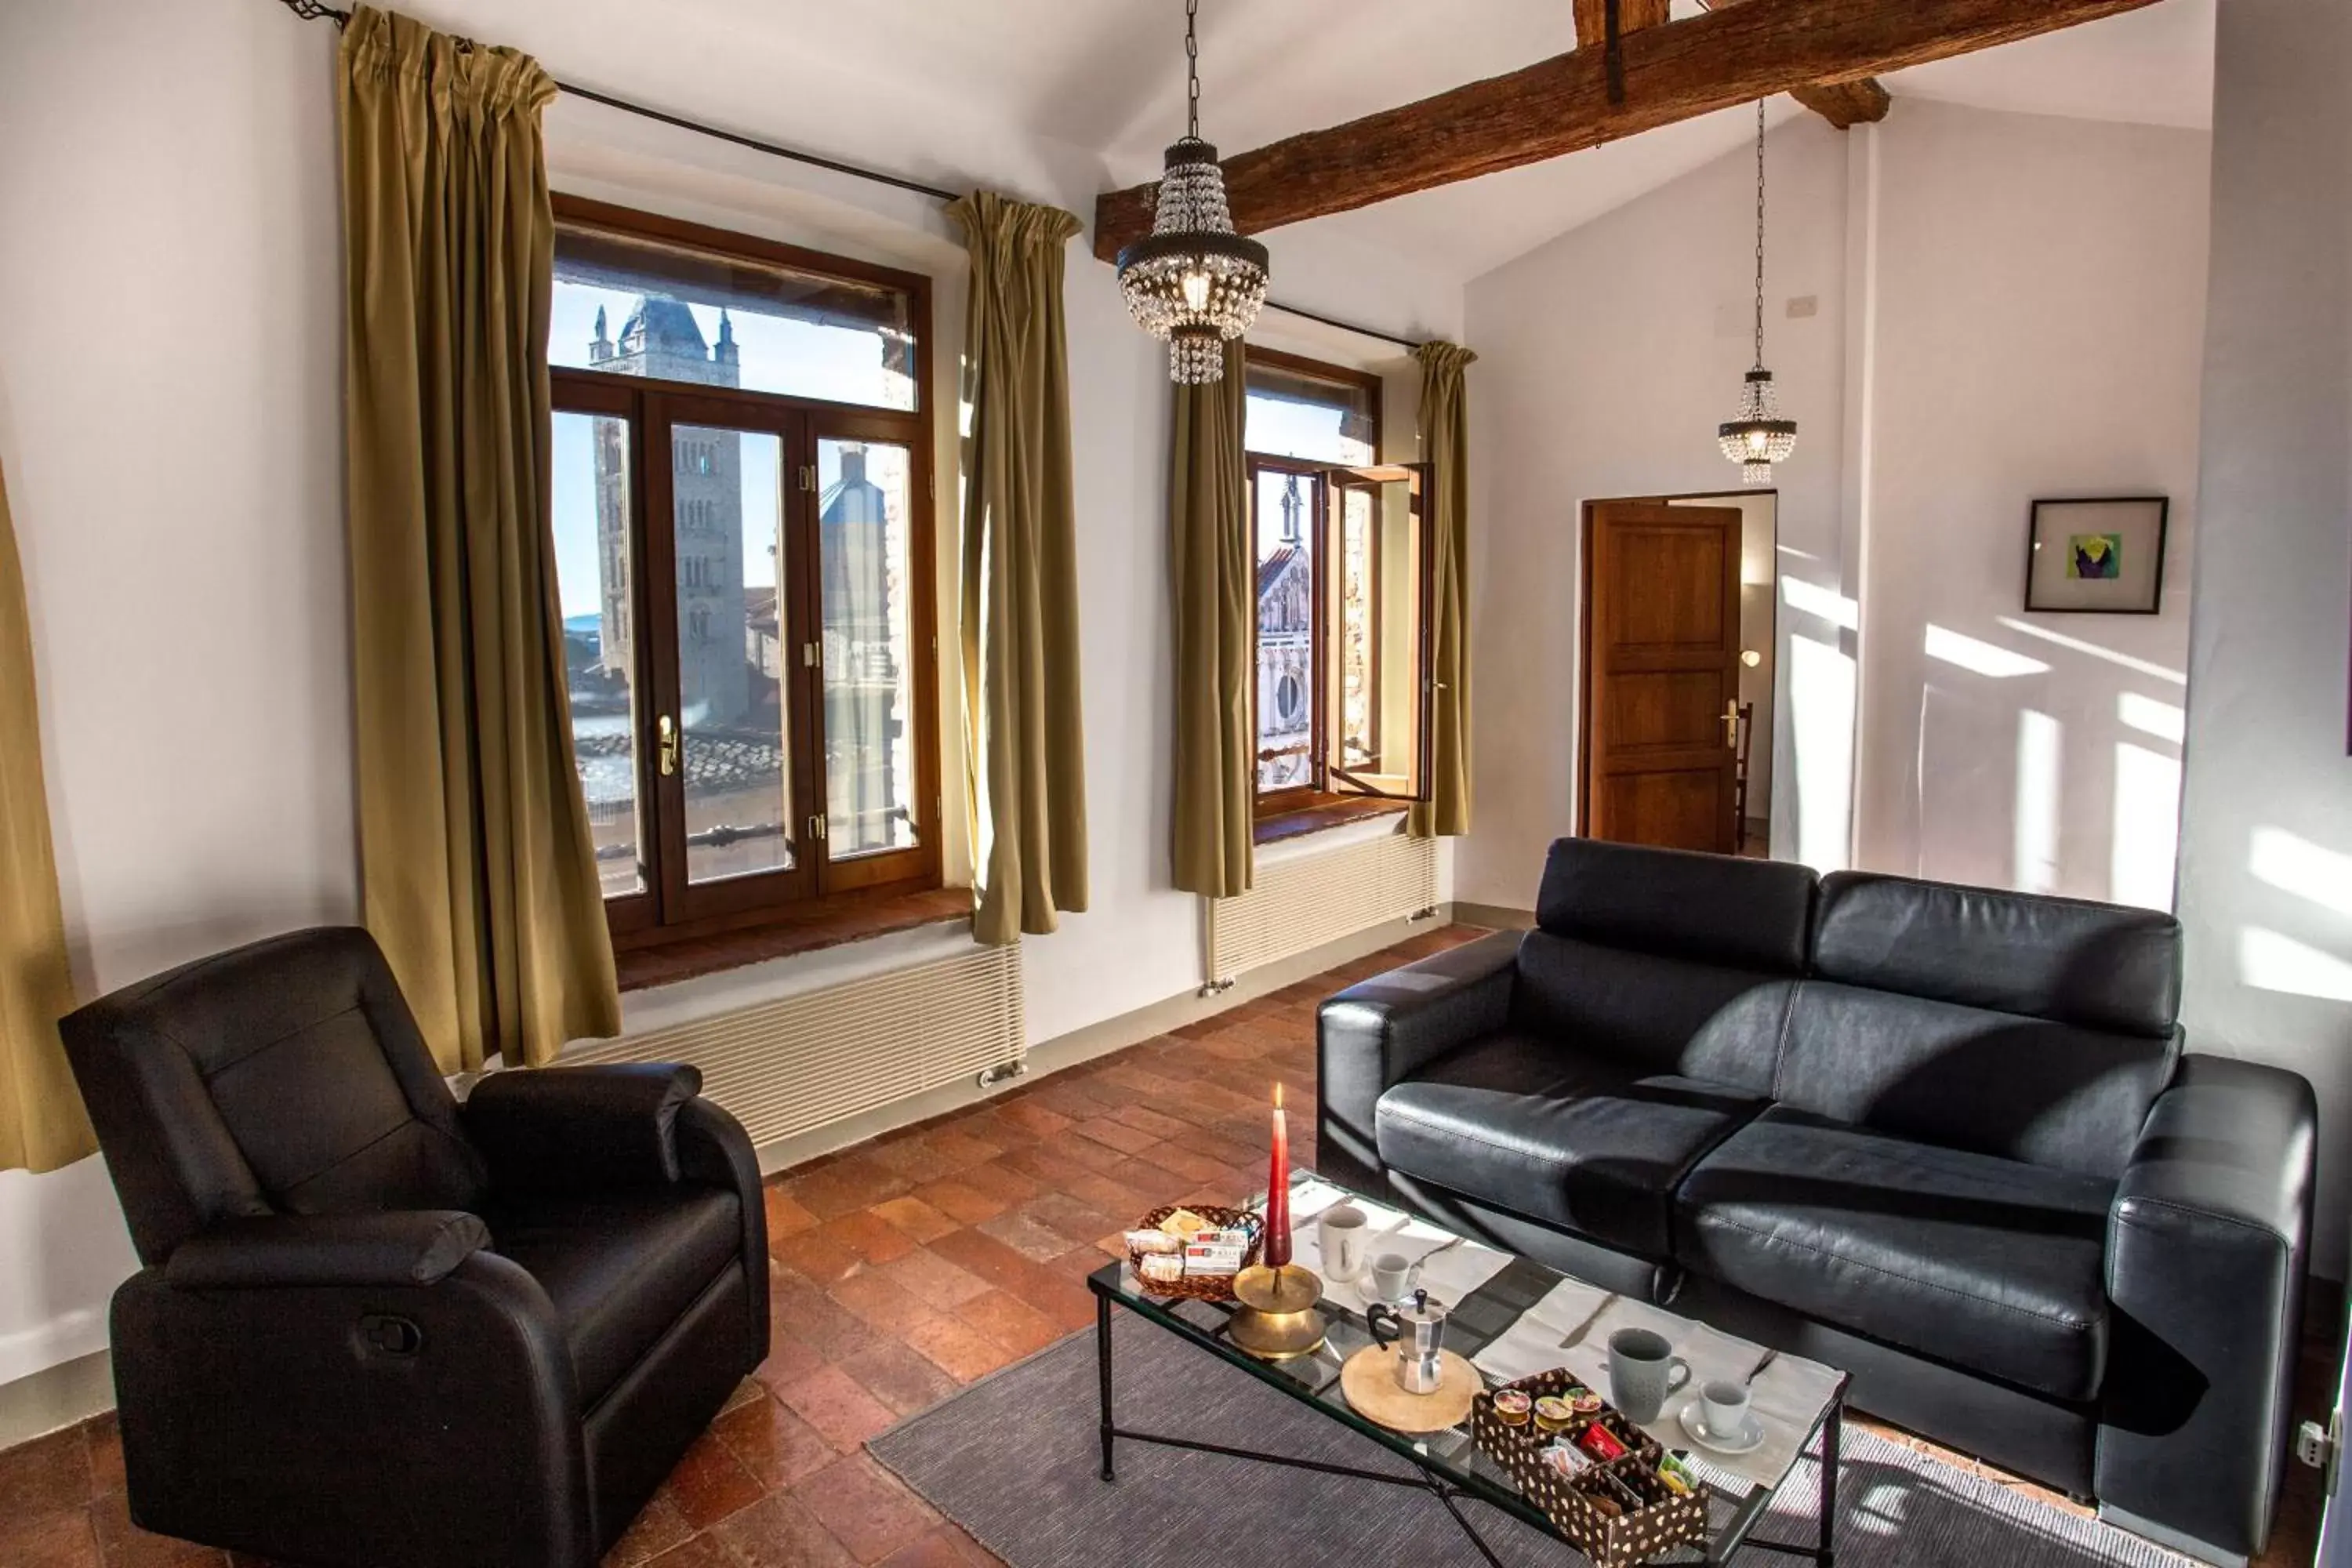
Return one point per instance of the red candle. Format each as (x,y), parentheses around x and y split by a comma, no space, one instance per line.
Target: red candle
(1278,1191)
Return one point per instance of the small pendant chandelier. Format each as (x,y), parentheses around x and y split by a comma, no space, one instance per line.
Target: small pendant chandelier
(1759,437)
(1192,280)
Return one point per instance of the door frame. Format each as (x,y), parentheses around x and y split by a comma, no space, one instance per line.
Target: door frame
(1578,762)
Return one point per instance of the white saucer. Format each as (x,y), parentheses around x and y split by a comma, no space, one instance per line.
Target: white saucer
(1694,1419)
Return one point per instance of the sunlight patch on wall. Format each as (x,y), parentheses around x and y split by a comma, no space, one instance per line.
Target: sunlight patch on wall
(2038,790)
(2268,961)
(2142,665)
(2148,826)
(1821,722)
(2294,864)
(1827,603)
(2165,721)
(1982,658)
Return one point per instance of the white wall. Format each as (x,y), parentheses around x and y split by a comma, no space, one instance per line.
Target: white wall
(1606,359)
(2039,292)
(170,419)
(2266,847)
(2003,306)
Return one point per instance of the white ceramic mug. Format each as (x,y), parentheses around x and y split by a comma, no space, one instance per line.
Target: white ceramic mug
(1341,1231)
(1724,1406)
(1390,1273)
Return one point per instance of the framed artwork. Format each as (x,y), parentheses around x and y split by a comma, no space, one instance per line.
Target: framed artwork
(2102,556)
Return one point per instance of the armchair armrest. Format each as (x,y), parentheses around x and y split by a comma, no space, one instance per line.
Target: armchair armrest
(2208,1251)
(1380,1032)
(582,1129)
(418,1246)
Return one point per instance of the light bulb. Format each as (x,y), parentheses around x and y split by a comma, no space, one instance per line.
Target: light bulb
(1196,290)
(1757,445)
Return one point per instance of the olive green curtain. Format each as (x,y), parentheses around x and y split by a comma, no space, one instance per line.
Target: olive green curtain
(42,1123)
(1023,726)
(478,876)
(1215,572)
(1446,444)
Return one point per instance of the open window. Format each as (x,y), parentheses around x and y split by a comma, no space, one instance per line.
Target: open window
(1343,593)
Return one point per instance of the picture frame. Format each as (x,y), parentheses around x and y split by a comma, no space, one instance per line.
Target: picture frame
(2096,555)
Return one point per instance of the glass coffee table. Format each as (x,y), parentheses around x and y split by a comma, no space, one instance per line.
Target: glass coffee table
(1514,1317)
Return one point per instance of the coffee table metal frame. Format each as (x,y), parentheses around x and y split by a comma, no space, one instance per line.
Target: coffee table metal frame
(1450,1486)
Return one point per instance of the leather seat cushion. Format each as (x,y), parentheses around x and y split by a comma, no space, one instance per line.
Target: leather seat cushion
(621,1267)
(1590,1145)
(1987,1264)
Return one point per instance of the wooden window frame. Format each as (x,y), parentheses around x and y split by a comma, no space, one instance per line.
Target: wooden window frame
(1276,810)
(672,910)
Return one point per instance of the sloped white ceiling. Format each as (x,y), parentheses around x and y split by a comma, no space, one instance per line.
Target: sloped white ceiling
(938,89)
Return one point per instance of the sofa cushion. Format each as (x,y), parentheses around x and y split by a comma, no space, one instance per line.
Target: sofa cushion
(1578,1141)
(2095,966)
(1968,1078)
(621,1267)
(1749,914)
(1660,1013)
(1990,1265)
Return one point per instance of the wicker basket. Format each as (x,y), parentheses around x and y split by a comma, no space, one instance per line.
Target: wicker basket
(1200,1287)
(1635,1536)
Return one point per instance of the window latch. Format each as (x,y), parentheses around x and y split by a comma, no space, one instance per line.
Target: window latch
(808,476)
(816,827)
(668,730)
(812,654)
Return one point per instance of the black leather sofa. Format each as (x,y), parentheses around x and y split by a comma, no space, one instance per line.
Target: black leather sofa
(378,1330)
(1943,1137)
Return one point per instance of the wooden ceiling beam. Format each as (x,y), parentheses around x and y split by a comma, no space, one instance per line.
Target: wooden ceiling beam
(1844,104)
(1674,72)
(1592,19)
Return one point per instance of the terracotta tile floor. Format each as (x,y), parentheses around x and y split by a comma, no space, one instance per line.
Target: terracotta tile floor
(902,1269)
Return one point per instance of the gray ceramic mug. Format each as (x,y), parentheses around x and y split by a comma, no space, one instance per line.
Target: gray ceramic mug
(1644,1369)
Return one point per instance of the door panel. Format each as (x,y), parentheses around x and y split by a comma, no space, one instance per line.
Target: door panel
(1661,675)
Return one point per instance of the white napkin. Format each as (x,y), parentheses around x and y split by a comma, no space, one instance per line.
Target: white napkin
(1449,1274)
(1788,1397)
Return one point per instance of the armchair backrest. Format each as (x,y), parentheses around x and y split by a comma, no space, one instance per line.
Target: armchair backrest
(284,1076)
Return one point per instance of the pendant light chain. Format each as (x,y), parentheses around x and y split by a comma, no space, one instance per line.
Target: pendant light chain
(1759,234)
(1191,69)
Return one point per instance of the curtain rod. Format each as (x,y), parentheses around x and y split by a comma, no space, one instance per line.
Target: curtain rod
(313,10)
(1343,326)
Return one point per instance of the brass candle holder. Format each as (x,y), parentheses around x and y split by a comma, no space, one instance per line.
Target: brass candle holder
(1277,1319)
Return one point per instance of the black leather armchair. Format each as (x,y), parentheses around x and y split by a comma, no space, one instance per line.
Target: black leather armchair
(376,1329)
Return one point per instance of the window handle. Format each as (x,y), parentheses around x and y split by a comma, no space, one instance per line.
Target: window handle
(668,729)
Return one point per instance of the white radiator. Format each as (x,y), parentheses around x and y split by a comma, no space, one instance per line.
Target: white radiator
(1302,902)
(782,1067)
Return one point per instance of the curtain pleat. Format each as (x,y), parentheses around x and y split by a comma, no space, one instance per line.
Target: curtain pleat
(1213,567)
(1022,723)
(478,874)
(42,1123)
(1445,442)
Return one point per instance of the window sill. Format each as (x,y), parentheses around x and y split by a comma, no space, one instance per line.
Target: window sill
(789,936)
(1323,815)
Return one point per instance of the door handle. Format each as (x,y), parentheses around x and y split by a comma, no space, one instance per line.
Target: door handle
(667,753)
(1731,725)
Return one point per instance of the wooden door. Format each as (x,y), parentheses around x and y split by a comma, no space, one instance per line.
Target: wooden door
(1661,675)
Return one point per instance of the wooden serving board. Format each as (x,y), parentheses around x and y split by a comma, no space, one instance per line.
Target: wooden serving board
(1369,1380)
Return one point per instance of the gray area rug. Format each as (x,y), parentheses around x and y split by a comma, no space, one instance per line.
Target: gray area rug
(1015,1460)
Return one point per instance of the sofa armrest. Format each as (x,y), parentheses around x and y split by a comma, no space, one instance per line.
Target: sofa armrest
(418,1246)
(2207,1250)
(1380,1032)
(582,1129)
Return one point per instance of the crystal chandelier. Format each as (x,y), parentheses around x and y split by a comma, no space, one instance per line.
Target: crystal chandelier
(1759,437)
(1192,280)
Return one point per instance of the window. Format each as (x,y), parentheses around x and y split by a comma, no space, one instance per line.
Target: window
(743,537)
(1342,591)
